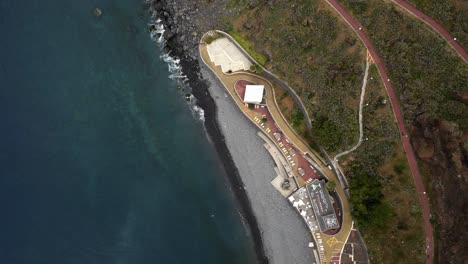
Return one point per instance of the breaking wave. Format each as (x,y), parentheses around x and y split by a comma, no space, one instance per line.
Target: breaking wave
(198,112)
(156,28)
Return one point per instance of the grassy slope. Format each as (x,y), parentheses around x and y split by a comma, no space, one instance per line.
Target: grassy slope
(451,14)
(323,62)
(317,54)
(424,70)
(391,212)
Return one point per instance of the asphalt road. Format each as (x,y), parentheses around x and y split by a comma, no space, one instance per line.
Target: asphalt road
(435,26)
(412,162)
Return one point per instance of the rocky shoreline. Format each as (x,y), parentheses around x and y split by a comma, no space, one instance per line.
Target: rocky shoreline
(182,42)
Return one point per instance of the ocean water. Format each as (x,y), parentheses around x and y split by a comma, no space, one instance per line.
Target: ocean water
(101,159)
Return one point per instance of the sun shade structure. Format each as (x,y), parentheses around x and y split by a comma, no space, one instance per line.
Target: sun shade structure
(253,94)
(224,53)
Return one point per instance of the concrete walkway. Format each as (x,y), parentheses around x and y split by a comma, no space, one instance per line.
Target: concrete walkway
(332,243)
(361,130)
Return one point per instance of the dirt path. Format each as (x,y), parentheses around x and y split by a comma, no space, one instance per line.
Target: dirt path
(412,162)
(435,26)
(361,130)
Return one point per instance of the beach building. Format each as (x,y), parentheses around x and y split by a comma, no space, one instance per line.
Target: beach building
(253,94)
(322,205)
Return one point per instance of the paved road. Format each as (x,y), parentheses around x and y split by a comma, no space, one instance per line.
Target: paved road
(412,162)
(435,26)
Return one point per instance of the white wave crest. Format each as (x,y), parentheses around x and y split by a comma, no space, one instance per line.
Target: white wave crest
(175,69)
(173,63)
(198,112)
(157,34)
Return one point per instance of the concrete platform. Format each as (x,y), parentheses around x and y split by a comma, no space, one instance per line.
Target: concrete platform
(224,53)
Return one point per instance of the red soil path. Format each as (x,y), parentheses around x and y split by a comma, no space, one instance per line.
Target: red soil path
(435,26)
(412,162)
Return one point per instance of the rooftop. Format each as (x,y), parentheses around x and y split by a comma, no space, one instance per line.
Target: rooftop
(253,94)
(323,207)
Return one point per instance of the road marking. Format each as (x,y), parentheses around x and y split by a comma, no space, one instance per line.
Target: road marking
(332,241)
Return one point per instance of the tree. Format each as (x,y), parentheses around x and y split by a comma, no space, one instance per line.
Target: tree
(331,185)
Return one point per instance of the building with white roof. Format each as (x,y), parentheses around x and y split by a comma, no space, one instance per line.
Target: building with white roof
(253,94)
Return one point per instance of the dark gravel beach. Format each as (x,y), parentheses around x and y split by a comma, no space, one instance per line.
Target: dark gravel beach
(279,234)
(199,87)
(205,101)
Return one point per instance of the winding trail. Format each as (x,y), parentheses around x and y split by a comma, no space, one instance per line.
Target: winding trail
(412,161)
(361,130)
(435,26)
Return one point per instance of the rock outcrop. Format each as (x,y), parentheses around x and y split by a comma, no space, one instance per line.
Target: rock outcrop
(442,147)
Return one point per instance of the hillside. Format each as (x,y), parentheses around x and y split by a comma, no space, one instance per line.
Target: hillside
(309,46)
(451,14)
(431,81)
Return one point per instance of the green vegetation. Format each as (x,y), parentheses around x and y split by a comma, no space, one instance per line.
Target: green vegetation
(329,133)
(451,14)
(369,209)
(399,167)
(291,113)
(212,37)
(382,194)
(425,72)
(429,78)
(249,47)
(255,68)
(317,55)
(331,185)
(297,118)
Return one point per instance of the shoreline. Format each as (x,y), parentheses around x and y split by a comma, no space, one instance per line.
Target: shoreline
(191,69)
(206,102)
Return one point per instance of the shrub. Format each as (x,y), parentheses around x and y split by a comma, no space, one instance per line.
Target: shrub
(209,38)
(249,47)
(297,118)
(331,185)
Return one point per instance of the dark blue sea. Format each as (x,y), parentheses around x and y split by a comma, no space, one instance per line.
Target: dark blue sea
(101,158)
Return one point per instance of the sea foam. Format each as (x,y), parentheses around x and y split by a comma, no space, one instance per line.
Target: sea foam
(173,63)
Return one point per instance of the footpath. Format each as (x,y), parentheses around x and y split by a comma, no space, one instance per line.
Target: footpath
(411,157)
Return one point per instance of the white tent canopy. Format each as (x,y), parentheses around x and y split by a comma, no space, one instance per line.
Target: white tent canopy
(253,94)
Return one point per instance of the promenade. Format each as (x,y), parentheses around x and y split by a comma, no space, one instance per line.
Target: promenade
(333,244)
